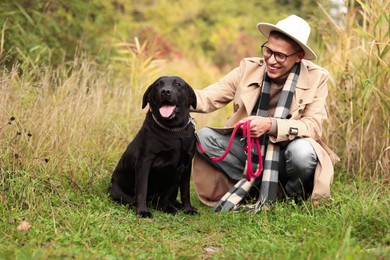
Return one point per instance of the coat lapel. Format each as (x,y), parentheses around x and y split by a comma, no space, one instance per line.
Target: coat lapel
(249,99)
(253,87)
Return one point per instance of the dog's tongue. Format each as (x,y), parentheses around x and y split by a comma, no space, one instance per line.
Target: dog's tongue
(166,111)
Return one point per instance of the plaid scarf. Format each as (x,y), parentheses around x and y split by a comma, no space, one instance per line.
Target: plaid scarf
(270,151)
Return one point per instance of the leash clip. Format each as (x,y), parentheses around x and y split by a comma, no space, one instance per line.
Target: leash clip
(243,142)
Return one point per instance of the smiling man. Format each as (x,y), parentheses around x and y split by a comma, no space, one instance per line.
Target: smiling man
(283,95)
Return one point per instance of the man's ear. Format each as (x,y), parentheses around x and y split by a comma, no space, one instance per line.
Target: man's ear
(300,56)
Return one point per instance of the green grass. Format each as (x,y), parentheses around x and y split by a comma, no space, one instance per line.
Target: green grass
(84,223)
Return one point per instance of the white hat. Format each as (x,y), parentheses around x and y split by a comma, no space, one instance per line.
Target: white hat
(294,27)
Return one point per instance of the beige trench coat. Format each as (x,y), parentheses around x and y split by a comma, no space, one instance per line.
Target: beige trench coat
(307,112)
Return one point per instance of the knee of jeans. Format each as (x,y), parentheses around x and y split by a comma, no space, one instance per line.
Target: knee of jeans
(301,154)
(207,137)
(204,132)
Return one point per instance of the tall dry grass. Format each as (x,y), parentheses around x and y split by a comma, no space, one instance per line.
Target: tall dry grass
(357,53)
(73,119)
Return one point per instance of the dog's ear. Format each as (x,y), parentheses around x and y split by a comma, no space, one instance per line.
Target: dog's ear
(192,96)
(145,98)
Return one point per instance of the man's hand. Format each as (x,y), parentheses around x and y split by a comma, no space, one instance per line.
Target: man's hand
(259,125)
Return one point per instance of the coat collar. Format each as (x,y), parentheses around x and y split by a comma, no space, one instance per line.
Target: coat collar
(303,81)
(255,81)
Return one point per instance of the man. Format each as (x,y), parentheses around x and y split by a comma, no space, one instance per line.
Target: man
(283,95)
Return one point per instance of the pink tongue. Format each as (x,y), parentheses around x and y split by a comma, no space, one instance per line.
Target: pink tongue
(166,111)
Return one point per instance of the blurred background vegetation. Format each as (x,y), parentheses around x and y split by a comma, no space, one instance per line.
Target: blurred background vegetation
(51,32)
(72,62)
(72,76)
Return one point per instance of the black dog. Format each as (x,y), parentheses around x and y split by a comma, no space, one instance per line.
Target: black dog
(159,159)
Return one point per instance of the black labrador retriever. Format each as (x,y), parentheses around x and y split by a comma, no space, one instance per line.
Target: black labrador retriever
(159,159)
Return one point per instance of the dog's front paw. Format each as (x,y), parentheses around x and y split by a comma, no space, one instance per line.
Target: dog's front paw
(145,214)
(190,211)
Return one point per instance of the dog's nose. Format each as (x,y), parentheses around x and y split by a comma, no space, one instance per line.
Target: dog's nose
(166,92)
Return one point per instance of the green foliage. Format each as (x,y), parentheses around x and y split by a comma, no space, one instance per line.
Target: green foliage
(49,32)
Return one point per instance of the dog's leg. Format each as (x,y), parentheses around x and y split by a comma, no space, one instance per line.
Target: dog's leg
(185,192)
(141,189)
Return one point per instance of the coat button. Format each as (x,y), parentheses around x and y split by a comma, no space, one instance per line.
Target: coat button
(300,111)
(301,101)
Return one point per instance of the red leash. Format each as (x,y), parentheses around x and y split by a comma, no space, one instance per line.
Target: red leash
(248,149)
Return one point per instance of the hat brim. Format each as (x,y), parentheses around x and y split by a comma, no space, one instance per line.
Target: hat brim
(266,28)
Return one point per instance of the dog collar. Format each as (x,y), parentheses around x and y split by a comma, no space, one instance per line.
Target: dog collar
(174,129)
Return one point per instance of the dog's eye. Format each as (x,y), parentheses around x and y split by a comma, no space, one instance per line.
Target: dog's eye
(177,84)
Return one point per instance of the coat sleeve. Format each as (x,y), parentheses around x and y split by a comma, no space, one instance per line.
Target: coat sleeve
(220,93)
(305,121)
